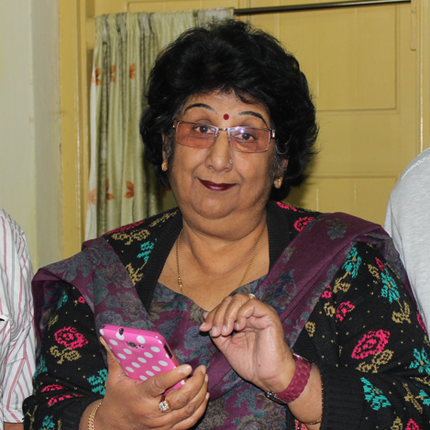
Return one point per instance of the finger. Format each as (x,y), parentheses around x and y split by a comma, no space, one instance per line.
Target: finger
(230,320)
(215,317)
(114,368)
(258,314)
(192,392)
(184,402)
(195,408)
(192,420)
(207,324)
(158,384)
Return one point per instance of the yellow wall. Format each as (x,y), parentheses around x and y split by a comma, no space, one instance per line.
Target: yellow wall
(30,159)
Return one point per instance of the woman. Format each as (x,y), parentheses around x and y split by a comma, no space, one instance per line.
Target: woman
(233,280)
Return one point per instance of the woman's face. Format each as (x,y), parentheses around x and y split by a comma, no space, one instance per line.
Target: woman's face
(216,182)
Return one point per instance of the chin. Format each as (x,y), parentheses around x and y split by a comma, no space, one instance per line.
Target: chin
(212,210)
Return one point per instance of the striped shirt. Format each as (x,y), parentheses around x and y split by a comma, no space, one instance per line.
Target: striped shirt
(17,339)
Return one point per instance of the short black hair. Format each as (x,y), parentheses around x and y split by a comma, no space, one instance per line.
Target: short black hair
(233,57)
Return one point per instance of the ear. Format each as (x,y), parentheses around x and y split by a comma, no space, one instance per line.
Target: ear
(280,174)
(165,158)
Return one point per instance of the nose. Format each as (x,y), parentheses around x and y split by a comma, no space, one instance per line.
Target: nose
(220,153)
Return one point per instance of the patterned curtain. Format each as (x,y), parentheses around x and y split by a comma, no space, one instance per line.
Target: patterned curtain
(122,185)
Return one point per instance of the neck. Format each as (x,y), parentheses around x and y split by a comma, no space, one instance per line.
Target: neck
(224,255)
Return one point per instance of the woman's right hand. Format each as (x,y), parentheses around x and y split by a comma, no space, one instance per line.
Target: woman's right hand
(130,404)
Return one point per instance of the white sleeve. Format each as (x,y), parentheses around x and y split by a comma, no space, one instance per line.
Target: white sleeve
(17,337)
(408,223)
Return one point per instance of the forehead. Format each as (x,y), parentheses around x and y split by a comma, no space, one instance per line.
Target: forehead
(224,103)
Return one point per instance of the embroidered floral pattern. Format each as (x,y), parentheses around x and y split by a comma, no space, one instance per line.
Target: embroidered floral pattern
(41,368)
(409,397)
(327,293)
(374,396)
(404,314)
(64,354)
(378,360)
(420,321)
(98,382)
(380,264)
(412,425)
(126,227)
(343,309)
(301,223)
(286,206)
(397,424)
(422,362)
(329,309)
(70,338)
(341,285)
(337,229)
(375,273)
(48,424)
(56,399)
(62,301)
(146,249)
(310,327)
(352,263)
(371,344)
(425,398)
(389,288)
(52,387)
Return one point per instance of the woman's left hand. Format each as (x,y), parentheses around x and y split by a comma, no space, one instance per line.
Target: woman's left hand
(250,335)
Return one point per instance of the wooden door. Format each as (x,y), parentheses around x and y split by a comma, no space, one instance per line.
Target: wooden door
(368,70)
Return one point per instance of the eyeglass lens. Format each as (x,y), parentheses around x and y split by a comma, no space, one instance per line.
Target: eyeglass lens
(243,139)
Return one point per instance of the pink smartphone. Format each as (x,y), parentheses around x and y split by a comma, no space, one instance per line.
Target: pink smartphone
(141,353)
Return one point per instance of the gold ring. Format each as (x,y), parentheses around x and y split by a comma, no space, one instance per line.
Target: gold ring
(251,296)
(164,405)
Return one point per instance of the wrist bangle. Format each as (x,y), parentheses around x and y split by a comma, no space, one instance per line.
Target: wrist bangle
(297,384)
(92,416)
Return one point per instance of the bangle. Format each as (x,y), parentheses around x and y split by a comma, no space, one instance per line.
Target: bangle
(297,384)
(92,416)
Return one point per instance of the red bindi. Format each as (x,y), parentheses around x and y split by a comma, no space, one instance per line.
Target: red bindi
(226,117)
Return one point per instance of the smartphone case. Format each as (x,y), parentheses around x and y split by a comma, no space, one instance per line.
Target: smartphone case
(141,353)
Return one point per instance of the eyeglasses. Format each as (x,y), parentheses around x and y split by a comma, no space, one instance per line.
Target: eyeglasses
(241,138)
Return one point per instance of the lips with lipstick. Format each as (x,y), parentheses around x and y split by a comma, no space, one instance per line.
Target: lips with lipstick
(216,187)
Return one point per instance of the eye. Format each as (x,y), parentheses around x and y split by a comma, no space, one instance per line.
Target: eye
(204,129)
(200,129)
(246,134)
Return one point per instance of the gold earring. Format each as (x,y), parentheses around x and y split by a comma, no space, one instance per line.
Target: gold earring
(278,183)
(164,166)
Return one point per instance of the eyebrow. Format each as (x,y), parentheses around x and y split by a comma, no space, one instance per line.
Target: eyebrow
(256,114)
(248,112)
(203,105)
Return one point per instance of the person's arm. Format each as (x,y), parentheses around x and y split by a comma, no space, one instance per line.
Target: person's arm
(373,360)
(373,353)
(10,426)
(16,306)
(72,378)
(70,373)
